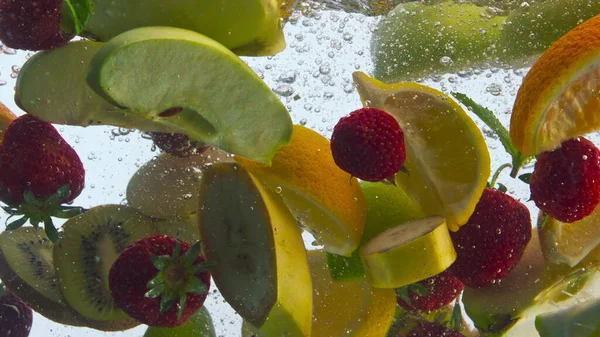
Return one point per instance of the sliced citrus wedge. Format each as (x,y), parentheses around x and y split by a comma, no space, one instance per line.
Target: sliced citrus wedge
(325,200)
(560,97)
(447,160)
(570,243)
(408,253)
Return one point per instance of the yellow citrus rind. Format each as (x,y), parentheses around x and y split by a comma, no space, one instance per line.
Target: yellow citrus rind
(447,159)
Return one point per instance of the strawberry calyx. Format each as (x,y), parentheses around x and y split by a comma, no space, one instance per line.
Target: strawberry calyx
(3,290)
(177,276)
(41,211)
(417,288)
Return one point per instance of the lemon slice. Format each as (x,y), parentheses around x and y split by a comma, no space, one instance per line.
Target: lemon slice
(560,98)
(570,243)
(408,253)
(323,198)
(447,160)
(350,308)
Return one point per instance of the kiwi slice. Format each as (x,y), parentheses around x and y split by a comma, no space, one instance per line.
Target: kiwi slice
(90,244)
(27,268)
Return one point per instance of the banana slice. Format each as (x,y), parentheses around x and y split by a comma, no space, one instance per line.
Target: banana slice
(408,253)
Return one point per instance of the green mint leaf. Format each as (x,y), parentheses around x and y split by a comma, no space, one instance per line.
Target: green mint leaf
(81,12)
(489,118)
(51,231)
(17,223)
(419,289)
(526,178)
(403,293)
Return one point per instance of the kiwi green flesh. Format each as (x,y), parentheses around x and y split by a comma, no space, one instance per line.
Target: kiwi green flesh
(52,87)
(31,254)
(90,244)
(221,101)
(237,236)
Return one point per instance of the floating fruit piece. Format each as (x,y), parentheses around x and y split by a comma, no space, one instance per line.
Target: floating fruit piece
(15,316)
(27,268)
(534,286)
(45,90)
(387,207)
(205,101)
(420,39)
(492,242)
(348,308)
(34,25)
(324,199)
(430,294)
(251,28)
(200,325)
(581,320)
(166,187)
(408,253)
(559,99)
(368,144)
(261,268)
(569,243)
(176,144)
(6,117)
(565,182)
(417,39)
(90,244)
(529,30)
(447,161)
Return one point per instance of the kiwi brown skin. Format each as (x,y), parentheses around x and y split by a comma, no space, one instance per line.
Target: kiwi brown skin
(60,313)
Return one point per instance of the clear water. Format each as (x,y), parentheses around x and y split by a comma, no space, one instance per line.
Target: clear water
(313,78)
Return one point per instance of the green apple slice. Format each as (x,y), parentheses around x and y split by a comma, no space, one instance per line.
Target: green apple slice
(52,87)
(582,320)
(249,27)
(193,85)
(261,263)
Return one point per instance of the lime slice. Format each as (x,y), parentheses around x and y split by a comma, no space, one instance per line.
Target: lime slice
(559,98)
(570,243)
(387,207)
(323,198)
(582,320)
(408,253)
(447,160)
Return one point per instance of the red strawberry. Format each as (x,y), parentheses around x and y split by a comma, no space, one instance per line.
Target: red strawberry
(429,329)
(177,144)
(15,316)
(368,144)
(430,294)
(492,242)
(160,281)
(39,171)
(32,25)
(565,183)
